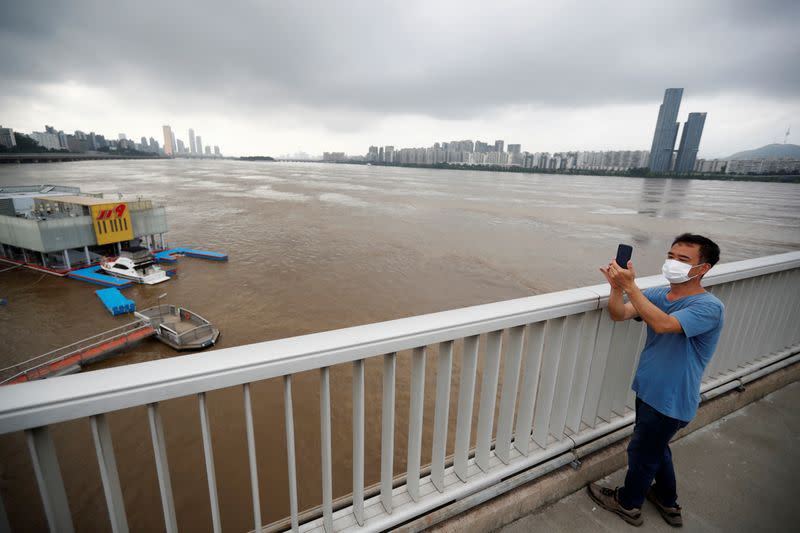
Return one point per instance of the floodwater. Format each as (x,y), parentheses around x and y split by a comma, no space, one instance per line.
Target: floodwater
(315,247)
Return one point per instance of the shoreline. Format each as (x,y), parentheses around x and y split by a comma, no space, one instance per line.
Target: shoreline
(633,173)
(51,157)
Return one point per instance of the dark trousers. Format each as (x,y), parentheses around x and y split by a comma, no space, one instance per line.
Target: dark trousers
(649,458)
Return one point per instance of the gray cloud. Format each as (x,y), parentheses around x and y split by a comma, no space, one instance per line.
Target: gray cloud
(443,60)
(349,67)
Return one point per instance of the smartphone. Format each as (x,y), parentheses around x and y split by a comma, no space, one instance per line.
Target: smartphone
(624,253)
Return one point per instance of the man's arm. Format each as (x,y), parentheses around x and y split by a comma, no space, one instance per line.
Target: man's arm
(624,280)
(618,310)
(658,320)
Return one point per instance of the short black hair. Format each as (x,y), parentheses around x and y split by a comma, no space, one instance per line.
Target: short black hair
(709,251)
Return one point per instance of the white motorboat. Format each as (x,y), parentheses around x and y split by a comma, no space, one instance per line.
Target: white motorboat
(137,265)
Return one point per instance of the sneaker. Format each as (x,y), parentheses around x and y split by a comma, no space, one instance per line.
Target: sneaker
(672,515)
(607,499)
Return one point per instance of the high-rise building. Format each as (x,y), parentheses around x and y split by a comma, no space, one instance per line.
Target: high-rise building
(514,149)
(498,146)
(7,137)
(216,151)
(122,137)
(181,146)
(388,154)
(372,154)
(666,131)
(207,150)
(169,142)
(92,138)
(48,140)
(192,146)
(198,144)
(690,142)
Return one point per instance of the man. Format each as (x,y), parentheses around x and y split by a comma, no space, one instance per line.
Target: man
(683,327)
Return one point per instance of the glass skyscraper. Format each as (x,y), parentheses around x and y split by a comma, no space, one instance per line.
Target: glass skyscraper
(666,131)
(690,142)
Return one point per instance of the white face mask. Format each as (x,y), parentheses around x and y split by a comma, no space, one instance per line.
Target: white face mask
(676,271)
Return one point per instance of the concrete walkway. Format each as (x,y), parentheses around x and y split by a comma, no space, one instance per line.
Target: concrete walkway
(740,473)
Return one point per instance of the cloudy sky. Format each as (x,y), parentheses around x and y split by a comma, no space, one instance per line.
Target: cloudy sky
(268,77)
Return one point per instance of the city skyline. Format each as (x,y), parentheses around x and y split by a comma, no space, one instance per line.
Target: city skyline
(583,76)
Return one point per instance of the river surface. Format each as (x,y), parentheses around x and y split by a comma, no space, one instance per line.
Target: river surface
(315,247)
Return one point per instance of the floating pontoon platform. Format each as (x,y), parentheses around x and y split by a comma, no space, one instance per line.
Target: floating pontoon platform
(115,302)
(178,327)
(93,275)
(169,256)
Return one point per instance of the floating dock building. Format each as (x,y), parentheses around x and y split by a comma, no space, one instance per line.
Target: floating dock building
(57,228)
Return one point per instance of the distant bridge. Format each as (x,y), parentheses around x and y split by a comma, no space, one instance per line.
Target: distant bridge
(60,157)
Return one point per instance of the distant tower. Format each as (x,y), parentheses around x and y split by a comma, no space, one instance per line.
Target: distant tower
(690,143)
(666,131)
(169,142)
(498,146)
(192,146)
(198,144)
(786,135)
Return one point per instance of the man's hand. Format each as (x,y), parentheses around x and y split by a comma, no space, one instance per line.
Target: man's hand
(618,277)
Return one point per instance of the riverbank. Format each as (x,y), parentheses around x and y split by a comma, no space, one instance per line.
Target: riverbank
(632,173)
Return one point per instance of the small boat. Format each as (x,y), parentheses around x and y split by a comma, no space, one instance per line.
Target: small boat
(179,328)
(136,264)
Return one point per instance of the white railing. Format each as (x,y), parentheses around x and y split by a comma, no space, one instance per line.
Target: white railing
(566,379)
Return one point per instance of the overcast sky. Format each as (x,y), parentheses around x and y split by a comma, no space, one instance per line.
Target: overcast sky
(279,77)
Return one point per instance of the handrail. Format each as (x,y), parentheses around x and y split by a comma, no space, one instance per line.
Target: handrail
(194,332)
(35,404)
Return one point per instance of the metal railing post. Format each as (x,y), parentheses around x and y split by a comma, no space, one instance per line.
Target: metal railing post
(48,477)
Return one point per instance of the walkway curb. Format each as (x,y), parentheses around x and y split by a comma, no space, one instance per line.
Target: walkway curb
(564,481)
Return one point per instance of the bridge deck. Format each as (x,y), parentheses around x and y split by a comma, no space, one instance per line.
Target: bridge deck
(737,474)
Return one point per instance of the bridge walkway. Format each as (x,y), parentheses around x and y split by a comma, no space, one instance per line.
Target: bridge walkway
(737,474)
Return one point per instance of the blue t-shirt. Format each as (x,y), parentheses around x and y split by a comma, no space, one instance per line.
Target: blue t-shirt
(671,365)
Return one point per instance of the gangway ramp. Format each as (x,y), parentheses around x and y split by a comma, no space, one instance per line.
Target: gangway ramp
(71,358)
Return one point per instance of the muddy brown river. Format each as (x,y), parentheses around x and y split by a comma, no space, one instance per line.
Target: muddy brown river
(315,247)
